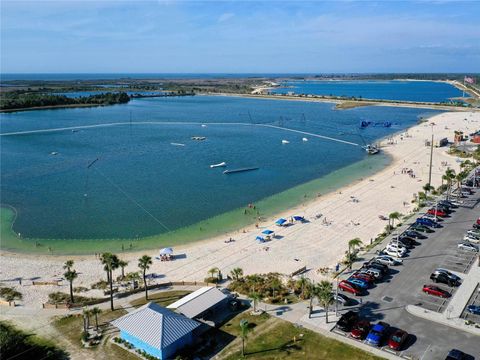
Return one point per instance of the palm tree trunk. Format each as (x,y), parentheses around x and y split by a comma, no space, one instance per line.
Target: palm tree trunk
(243,346)
(96,321)
(145,284)
(310,308)
(71,292)
(111,290)
(123,272)
(326,314)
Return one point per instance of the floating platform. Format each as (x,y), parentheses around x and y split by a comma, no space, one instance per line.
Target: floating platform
(240,170)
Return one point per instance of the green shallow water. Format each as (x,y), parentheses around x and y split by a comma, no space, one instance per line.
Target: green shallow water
(214,226)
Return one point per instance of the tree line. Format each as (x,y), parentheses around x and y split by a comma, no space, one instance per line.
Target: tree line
(28,100)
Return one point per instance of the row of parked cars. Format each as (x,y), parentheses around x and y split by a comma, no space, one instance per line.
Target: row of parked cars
(375,335)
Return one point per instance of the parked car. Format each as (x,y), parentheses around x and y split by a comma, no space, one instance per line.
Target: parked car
(437,212)
(478,221)
(364,276)
(347,320)
(432,218)
(377,274)
(455,354)
(350,287)
(376,334)
(474,232)
(448,204)
(476,226)
(342,299)
(394,245)
(428,222)
(394,253)
(362,284)
(436,291)
(422,228)
(471,238)
(474,309)
(397,339)
(360,329)
(376,265)
(448,273)
(468,246)
(441,277)
(407,242)
(388,260)
(414,234)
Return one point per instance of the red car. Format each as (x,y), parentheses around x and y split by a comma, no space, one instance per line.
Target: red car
(368,278)
(435,290)
(397,340)
(360,329)
(349,287)
(478,221)
(436,212)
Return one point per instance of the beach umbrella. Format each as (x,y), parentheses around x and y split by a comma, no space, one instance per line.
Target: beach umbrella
(298,218)
(260,239)
(280,221)
(166,251)
(267,232)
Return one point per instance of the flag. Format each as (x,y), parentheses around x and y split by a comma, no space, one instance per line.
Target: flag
(469,80)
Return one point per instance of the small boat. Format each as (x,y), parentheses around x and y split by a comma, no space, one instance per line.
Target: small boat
(304,139)
(54,153)
(285,142)
(177,144)
(200,138)
(222,164)
(203,125)
(240,170)
(372,149)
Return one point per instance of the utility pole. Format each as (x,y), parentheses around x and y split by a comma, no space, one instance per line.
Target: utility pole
(431,158)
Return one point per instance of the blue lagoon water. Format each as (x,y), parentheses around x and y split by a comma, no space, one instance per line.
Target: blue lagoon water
(142,185)
(425,91)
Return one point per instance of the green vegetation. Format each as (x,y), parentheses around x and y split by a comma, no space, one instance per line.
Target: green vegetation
(24,346)
(10,294)
(271,338)
(63,298)
(265,287)
(13,100)
(162,298)
(144,264)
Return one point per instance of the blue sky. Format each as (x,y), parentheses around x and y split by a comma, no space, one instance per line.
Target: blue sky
(239,36)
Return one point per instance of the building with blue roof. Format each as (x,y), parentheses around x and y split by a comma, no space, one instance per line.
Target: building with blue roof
(156,330)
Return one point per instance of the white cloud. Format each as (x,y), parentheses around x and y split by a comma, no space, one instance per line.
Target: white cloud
(225,16)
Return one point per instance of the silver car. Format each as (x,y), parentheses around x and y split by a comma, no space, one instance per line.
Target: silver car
(468,246)
(387,260)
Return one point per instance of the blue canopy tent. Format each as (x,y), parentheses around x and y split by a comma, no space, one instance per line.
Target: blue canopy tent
(260,239)
(166,251)
(299,218)
(280,221)
(267,232)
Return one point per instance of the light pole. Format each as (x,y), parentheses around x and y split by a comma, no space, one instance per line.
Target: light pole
(336,299)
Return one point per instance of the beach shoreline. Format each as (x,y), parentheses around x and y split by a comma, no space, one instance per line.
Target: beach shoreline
(352,211)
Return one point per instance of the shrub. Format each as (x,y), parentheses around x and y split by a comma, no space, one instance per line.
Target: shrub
(10,294)
(79,289)
(101,285)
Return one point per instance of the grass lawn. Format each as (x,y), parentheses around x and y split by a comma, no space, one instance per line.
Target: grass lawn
(162,298)
(272,338)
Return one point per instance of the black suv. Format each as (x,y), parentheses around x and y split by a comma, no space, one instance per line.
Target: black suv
(444,278)
(346,322)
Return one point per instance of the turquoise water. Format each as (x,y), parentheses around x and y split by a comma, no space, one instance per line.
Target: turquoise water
(142,185)
(424,91)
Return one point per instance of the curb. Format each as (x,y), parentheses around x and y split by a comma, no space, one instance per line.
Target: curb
(429,315)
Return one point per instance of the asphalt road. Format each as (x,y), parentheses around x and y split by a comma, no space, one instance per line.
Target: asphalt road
(387,300)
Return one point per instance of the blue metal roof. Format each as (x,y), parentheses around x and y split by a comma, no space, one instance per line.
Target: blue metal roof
(155,325)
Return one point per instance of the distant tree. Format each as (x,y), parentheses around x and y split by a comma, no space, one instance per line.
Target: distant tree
(394,216)
(325,296)
(96,311)
(68,265)
(123,264)
(144,264)
(236,273)
(71,275)
(255,298)
(244,330)
(110,262)
(352,244)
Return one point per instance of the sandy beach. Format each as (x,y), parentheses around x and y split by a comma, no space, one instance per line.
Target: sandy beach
(351,212)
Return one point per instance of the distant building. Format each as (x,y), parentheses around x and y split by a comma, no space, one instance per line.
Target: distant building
(156,330)
(202,304)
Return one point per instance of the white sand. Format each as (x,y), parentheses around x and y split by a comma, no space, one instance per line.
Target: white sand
(313,244)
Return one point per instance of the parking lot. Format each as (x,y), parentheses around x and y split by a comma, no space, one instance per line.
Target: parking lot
(386,300)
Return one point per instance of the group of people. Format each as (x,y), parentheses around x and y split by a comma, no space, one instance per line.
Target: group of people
(166,257)
(409,172)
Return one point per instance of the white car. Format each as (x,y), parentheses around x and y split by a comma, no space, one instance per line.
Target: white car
(394,253)
(474,232)
(432,217)
(387,260)
(471,239)
(395,246)
(467,246)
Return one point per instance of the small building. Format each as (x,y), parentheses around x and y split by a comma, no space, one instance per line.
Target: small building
(202,304)
(156,330)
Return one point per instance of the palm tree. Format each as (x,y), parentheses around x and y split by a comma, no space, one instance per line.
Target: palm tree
(68,265)
(213,271)
(325,295)
(86,319)
(314,291)
(71,275)
(123,264)
(236,273)
(244,330)
(110,262)
(275,284)
(144,264)
(394,216)
(303,282)
(255,298)
(352,244)
(96,311)
(450,176)
(427,187)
